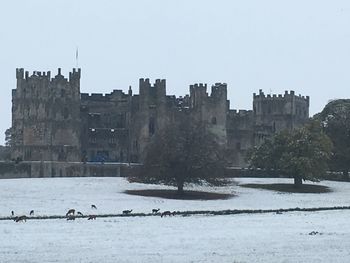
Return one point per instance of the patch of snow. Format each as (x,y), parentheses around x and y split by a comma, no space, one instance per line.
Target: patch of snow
(234,238)
(54,196)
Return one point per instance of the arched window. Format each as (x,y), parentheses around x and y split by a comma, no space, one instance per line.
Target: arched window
(151,126)
(213,120)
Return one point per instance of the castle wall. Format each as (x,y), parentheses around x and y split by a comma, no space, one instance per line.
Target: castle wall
(105,126)
(240,135)
(53,121)
(38,169)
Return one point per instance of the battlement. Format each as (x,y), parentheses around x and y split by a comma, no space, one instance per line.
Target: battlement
(24,75)
(286,95)
(199,86)
(219,90)
(198,90)
(279,105)
(219,85)
(103,96)
(42,75)
(146,83)
(75,75)
(160,82)
(157,90)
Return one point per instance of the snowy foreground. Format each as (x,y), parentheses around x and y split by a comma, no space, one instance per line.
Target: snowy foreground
(235,238)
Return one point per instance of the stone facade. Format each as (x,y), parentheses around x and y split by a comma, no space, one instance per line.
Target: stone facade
(53,121)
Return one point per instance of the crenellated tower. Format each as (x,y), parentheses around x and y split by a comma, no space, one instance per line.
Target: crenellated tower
(46,116)
(211,109)
(152,114)
(274,113)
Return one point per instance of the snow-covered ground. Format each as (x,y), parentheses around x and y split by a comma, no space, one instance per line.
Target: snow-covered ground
(234,238)
(54,196)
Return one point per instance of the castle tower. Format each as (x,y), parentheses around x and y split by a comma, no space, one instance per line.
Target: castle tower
(152,114)
(210,109)
(274,113)
(46,116)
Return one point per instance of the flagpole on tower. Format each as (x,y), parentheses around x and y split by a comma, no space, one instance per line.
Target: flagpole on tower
(77,57)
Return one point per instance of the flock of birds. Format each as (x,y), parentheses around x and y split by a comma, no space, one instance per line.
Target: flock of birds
(71,215)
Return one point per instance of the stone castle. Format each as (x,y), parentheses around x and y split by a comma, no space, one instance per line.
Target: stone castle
(53,121)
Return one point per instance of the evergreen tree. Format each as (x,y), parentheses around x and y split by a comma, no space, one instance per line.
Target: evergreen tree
(301,154)
(335,118)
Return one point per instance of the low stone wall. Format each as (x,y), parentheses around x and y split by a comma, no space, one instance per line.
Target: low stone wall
(13,170)
(64,169)
(35,169)
(9,169)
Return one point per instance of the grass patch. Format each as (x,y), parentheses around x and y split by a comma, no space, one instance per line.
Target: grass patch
(172,194)
(290,188)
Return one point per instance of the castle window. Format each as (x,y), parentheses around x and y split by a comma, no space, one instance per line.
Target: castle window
(136,145)
(27,154)
(61,155)
(92,140)
(63,93)
(112,140)
(151,126)
(213,120)
(238,146)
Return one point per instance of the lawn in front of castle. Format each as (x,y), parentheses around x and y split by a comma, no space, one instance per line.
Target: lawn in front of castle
(297,236)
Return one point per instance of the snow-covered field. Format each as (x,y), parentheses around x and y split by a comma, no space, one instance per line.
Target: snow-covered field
(234,238)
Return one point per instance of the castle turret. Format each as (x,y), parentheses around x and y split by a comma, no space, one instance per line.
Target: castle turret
(152,114)
(198,94)
(210,109)
(274,113)
(45,116)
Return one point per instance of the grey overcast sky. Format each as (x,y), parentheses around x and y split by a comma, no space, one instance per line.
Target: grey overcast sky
(301,45)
